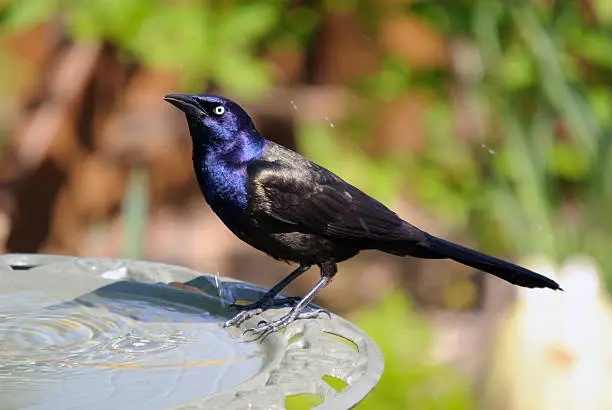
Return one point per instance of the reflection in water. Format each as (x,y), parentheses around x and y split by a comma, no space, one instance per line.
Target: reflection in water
(126,351)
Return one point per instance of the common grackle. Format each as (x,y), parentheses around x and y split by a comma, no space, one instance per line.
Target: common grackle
(294,210)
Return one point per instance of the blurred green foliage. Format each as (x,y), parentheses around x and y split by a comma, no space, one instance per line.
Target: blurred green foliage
(540,76)
(538,177)
(212,44)
(379,178)
(409,381)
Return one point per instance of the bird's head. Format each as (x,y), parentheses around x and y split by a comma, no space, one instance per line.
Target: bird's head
(212,118)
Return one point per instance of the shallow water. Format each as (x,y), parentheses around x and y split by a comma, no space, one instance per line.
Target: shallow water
(123,351)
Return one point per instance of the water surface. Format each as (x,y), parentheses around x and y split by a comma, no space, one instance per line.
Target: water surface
(115,350)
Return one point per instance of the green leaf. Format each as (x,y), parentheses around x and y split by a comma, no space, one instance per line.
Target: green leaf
(596,47)
(603,9)
(175,37)
(22,14)
(600,101)
(240,74)
(568,162)
(517,69)
(247,23)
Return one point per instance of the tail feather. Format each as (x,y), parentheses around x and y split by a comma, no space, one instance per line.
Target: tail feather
(507,271)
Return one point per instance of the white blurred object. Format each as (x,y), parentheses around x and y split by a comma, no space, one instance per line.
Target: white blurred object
(116,274)
(554,348)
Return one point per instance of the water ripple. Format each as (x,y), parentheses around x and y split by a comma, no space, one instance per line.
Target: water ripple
(51,351)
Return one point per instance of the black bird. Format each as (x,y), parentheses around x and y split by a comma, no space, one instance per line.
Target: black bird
(294,210)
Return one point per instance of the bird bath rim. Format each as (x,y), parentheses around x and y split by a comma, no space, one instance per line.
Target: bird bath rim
(295,359)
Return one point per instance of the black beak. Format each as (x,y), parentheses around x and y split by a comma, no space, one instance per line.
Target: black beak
(185,102)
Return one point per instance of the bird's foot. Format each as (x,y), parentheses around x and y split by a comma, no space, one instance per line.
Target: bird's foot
(242,316)
(245,312)
(264,328)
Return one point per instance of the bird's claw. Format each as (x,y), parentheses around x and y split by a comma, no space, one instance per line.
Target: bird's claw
(264,327)
(242,316)
(245,312)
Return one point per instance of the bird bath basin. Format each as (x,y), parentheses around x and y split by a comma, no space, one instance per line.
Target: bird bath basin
(108,333)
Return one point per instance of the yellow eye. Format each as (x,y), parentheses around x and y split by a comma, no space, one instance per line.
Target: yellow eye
(219,110)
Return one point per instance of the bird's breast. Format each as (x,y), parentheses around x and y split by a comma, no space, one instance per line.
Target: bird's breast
(224,187)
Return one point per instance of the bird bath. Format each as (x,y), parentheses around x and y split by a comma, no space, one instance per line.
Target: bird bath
(108,333)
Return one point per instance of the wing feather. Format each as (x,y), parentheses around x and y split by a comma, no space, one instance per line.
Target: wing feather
(312,199)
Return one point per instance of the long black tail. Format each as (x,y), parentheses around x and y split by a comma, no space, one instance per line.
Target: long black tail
(505,270)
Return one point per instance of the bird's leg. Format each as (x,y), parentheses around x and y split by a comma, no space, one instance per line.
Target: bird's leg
(328,270)
(267,301)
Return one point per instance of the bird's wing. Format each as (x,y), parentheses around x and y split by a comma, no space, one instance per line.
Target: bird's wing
(312,199)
